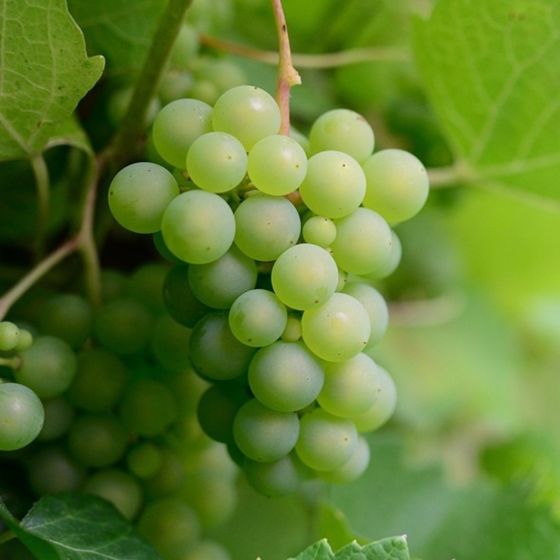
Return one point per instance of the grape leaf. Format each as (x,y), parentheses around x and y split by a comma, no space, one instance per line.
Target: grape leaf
(490,69)
(394,548)
(321,550)
(44,72)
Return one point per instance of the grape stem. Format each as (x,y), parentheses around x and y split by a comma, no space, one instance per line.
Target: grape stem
(287,75)
(316,61)
(445,177)
(13,363)
(42,182)
(427,312)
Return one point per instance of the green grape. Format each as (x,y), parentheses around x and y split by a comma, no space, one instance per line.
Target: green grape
(363,243)
(350,387)
(179,299)
(99,382)
(292,332)
(170,343)
(223,73)
(276,479)
(397,185)
(59,415)
(198,227)
(187,387)
(383,406)
(112,285)
(266,226)
(211,459)
(48,367)
(146,284)
(52,470)
(21,416)
(353,468)
(205,90)
(277,165)
(162,248)
(319,230)
(174,84)
(264,435)
(185,47)
(247,112)
(285,376)
(116,487)
(218,284)
(97,441)
(139,195)
(300,138)
(304,276)
(123,326)
(215,353)
(169,478)
(216,162)
(342,279)
(144,460)
(148,408)
(325,442)
(391,264)
(375,306)
(119,102)
(9,336)
(171,526)
(25,340)
(334,186)
(207,550)
(338,329)
(342,130)
(177,126)
(257,318)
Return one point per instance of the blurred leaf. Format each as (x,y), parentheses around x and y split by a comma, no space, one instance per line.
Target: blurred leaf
(489,69)
(46,72)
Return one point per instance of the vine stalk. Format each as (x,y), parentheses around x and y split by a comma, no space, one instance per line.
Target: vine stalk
(42,182)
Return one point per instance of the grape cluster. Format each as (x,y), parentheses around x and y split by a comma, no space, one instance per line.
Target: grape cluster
(282,315)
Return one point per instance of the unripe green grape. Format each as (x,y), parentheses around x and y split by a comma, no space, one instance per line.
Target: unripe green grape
(353,468)
(300,138)
(397,185)
(48,367)
(116,487)
(215,353)
(219,283)
(112,285)
(383,406)
(216,162)
(187,387)
(304,276)
(185,47)
(247,112)
(211,459)
(375,306)
(277,165)
(52,470)
(59,415)
(177,126)
(21,416)
(342,130)
(25,340)
(9,336)
(319,230)
(146,284)
(169,478)
(198,227)
(350,386)
(174,84)
(205,90)
(391,264)
(139,195)
(292,332)
(207,550)
(264,435)
(257,318)
(223,73)
(144,460)
(338,329)
(99,382)
(97,441)
(334,186)
(285,376)
(162,248)
(325,442)
(266,226)
(170,343)
(363,243)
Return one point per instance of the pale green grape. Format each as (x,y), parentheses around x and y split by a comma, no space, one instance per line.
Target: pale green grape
(144,460)
(21,416)
(285,376)
(216,162)
(198,227)
(67,316)
(342,130)
(223,73)
(383,406)
(139,195)
(162,248)
(304,276)
(211,460)
(277,165)
(350,386)
(353,468)
(334,186)
(391,265)
(363,243)
(112,284)
(292,332)
(146,284)
(205,90)
(207,550)
(59,415)
(397,184)
(9,336)
(247,112)
(325,442)
(257,318)
(338,329)
(25,340)
(174,84)
(169,477)
(300,138)
(177,126)
(266,226)
(219,283)
(52,470)
(185,47)
(375,306)
(264,435)
(170,343)
(319,230)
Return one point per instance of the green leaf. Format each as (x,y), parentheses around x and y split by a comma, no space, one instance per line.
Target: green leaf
(490,69)
(321,550)
(394,548)
(119,29)
(44,72)
(70,133)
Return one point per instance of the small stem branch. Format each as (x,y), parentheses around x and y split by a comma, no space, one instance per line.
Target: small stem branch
(287,74)
(7,536)
(13,363)
(428,312)
(445,177)
(41,172)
